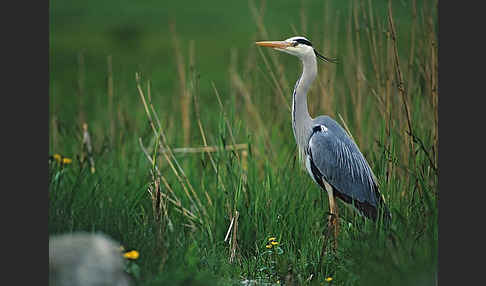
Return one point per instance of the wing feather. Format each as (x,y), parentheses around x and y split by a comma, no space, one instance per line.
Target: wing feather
(341,164)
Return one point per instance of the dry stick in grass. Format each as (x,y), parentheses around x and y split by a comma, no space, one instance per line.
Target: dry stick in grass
(208,149)
(88,147)
(162,134)
(234,243)
(184,181)
(176,201)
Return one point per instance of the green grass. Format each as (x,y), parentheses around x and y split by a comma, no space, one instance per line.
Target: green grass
(271,191)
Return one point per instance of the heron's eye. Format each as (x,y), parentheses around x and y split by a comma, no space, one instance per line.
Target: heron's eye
(294,44)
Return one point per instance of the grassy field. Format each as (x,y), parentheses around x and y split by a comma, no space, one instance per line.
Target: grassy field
(191,158)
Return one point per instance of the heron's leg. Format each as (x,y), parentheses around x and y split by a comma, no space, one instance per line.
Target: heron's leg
(333,222)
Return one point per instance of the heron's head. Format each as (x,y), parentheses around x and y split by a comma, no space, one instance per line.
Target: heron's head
(297,46)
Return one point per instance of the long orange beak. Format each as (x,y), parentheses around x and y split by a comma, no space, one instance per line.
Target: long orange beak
(274,44)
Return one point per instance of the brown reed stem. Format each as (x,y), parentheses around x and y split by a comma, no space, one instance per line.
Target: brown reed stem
(400,84)
(185,95)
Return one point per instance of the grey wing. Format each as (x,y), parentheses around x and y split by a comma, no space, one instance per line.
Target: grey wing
(337,159)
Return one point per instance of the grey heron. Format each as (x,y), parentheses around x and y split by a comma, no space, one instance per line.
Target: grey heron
(332,158)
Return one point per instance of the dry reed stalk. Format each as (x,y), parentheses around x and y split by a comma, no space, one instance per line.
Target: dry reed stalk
(161,217)
(244,167)
(88,147)
(388,102)
(434,68)
(169,156)
(234,242)
(400,83)
(359,74)
(209,149)
(159,204)
(185,95)
(175,200)
(110,98)
(411,55)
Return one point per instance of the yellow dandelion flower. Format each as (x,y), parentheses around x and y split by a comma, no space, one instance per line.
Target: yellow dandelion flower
(328,279)
(67,160)
(272,238)
(57,157)
(268,246)
(274,242)
(131,254)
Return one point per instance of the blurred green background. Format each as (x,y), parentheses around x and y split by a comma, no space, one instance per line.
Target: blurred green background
(137,34)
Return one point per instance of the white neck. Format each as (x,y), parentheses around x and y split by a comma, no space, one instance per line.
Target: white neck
(301,120)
